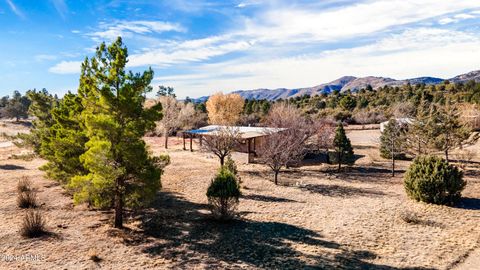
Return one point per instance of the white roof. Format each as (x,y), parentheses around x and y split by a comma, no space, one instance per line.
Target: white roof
(245,132)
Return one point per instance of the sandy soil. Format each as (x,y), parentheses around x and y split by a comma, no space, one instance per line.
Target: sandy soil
(314,219)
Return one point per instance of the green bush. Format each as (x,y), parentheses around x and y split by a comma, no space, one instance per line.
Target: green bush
(432,179)
(223,194)
(232,167)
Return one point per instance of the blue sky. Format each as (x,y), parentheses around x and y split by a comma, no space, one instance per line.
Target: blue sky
(203,46)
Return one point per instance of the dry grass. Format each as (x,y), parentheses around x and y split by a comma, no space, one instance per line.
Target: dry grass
(26,195)
(33,225)
(24,184)
(332,221)
(27,199)
(93,255)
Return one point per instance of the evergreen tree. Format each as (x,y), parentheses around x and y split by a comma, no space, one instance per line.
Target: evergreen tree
(419,135)
(449,132)
(16,107)
(348,102)
(392,142)
(342,145)
(119,170)
(41,105)
(166,91)
(63,140)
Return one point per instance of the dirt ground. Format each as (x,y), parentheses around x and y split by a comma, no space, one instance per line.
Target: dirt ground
(316,219)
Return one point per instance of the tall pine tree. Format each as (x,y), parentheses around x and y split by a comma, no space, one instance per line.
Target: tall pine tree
(120,171)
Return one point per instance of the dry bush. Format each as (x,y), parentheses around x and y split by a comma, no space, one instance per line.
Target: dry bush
(413,218)
(25,156)
(27,199)
(26,196)
(366,117)
(93,255)
(24,184)
(33,225)
(410,217)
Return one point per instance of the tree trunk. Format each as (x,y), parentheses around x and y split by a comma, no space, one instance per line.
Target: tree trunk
(392,153)
(222,160)
(339,161)
(166,139)
(119,204)
(393,165)
(328,155)
(446,155)
(276,177)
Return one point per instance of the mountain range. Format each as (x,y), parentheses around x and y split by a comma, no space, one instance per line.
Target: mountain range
(344,84)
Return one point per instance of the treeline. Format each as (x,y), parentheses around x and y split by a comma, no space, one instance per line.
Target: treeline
(367,106)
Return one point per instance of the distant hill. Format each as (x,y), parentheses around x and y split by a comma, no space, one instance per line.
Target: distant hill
(345,83)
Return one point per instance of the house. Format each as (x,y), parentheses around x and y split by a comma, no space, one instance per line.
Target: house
(251,139)
(401,121)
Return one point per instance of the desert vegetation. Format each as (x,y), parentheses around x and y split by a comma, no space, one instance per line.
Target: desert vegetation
(322,192)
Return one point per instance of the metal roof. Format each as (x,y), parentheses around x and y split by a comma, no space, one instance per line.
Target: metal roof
(245,132)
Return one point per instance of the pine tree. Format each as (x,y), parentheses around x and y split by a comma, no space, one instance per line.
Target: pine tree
(343,147)
(119,170)
(449,132)
(63,140)
(419,135)
(16,107)
(41,105)
(392,142)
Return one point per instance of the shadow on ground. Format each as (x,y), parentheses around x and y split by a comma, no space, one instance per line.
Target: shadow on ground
(264,198)
(341,191)
(469,204)
(183,233)
(11,167)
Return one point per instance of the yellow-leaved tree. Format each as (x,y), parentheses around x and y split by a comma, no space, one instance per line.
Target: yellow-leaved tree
(224,109)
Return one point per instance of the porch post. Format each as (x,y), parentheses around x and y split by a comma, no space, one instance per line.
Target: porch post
(191,141)
(183,135)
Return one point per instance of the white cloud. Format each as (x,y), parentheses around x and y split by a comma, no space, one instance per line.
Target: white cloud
(61,7)
(413,53)
(347,22)
(66,67)
(15,9)
(45,57)
(109,31)
(458,17)
(190,51)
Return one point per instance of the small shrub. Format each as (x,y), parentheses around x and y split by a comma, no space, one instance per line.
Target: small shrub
(24,185)
(27,199)
(432,179)
(223,194)
(410,217)
(33,225)
(93,255)
(232,167)
(25,157)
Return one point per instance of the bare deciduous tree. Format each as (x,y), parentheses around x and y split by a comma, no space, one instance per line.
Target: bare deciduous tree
(286,144)
(222,142)
(176,115)
(324,134)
